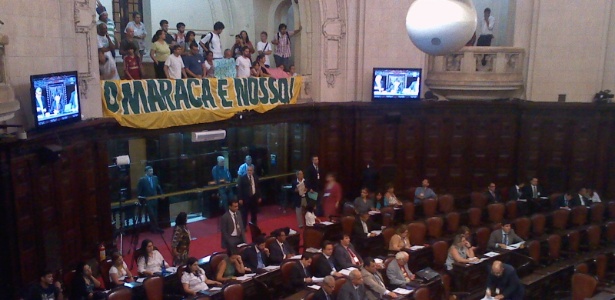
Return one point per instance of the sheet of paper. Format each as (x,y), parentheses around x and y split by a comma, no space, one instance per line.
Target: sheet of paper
(522,200)
(243,278)
(315,286)
(250,275)
(291,232)
(401,291)
(272,268)
(298,256)
(313,250)
(215,289)
(491,254)
(373,212)
(377,232)
(378,260)
(241,245)
(317,279)
(327,223)
(517,245)
(416,247)
(140,280)
(347,271)
(172,269)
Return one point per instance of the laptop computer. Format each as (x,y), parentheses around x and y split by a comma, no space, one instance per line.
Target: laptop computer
(427,274)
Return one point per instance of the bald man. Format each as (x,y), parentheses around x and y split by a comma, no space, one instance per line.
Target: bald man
(353,289)
(503,282)
(326,292)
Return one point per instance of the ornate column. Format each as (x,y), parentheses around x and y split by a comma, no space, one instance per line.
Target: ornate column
(8,103)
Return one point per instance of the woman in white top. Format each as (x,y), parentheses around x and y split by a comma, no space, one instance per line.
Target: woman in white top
(151,262)
(194,279)
(460,252)
(310,217)
(389,197)
(119,273)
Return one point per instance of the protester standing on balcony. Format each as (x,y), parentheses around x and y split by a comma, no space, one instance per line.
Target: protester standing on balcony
(282,41)
(486,34)
(139,31)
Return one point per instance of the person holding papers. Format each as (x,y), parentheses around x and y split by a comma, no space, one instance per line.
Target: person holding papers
(460,252)
(256,257)
(564,201)
(500,239)
(354,288)
(503,282)
(346,255)
(300,276)
(374,284)
(398,273)
(194,279)
(280,249)
(361,231)
(326,292)
(325,265)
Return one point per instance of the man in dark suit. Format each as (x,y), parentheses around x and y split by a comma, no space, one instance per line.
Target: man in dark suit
(280,249)
(345,255)
(361,232)
(249,195)
(300,276)
(516,191)
(533,193)
(41,103)
(500,238)
(504,278)
(564,201)
(492,195)
(579,199)
(326,292)
(325,264)
(56,107)
(149,186)
(232,228)
(256,257)
(353,289)
(313,178)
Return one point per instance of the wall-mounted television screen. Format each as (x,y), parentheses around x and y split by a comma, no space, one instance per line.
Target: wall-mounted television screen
(55,99)
(396,84)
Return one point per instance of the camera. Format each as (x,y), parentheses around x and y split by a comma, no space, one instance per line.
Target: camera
(603,96)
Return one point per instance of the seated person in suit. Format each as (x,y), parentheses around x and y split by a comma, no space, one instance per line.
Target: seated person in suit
(325,265)
(593,196)
(151,261)
(230,267)
(194,280)
(533,190)
(280,249)
(423,192)
(516,191)
(400,240)
(346,255)
(492,195)
(501,238)
(579,199)
(374,284)
(256,257)
(564,201)
(503,278)
(326,292)
(300,276)
(364,203)
(353,289)
(460,252)
(398,273)
(361,231)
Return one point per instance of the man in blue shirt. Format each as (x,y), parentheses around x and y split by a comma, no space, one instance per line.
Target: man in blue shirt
(194,62)
(221,175)
(243,169)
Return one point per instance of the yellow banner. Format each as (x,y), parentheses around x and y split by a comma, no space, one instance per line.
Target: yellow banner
(162,103)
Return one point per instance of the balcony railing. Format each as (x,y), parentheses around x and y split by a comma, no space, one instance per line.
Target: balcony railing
(477,73)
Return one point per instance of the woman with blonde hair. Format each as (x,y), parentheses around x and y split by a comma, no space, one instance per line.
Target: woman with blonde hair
(400,240)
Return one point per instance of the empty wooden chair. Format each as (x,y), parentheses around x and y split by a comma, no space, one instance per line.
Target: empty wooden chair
(609,233)
(554,243)
(312,238)
(478,200)
(452,222)
(596,213)
(511,210)
(446,203)
(578,215)
(347,224)
(120,293)
(233,291)
(422,294)
(583,286)
(611,209)
(417,231)
(474,217)
(154,287)
(440,253)
(482,239)
(560,219)
(430,207)
(538,225)
(573,242)
(408,212)
(496,212)
(434,227)
(522,227)
(593,237)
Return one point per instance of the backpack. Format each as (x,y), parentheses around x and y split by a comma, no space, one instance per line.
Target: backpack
(211,37)
(288,35)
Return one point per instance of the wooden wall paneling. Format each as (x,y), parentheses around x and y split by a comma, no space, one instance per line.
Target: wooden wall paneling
(410,151)
(437,151)
(505,135)
(604,145)
(530,139)
(460,170)
(583,145)
(99,170)
(370,134)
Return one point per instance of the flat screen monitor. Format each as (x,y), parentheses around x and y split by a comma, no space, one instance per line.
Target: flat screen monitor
(396,84)
(55,99)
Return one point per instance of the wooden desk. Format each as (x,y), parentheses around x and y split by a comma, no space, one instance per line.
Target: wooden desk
(300,294)
(420,258)
(272,279)
(330,232)
(602,296)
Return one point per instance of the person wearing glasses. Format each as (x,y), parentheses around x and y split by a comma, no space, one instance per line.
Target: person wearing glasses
(326,292)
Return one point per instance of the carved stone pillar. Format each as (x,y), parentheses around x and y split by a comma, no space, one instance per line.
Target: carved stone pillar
(87,58)
(8,103)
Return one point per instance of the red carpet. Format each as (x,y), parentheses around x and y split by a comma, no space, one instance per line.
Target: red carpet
(207,234)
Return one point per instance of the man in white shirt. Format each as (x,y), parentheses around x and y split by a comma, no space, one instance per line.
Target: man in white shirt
(211,41)
(486,35)
(244,63)
(264,47)
(174,65)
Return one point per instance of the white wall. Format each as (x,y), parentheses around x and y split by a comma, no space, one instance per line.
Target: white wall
(499,10)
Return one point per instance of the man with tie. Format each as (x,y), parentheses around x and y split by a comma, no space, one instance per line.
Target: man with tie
(249,195)
(503,237)
(579,199)
(313,181)
(232,228)
(516,192)
(354,288)
(256,257)
(300,276)
(326,292)
(280,249)
(325,264)
(492,195)
(374,283)
(564,201)
(533,192)
(345,255)
(361,232)
(41,104)
(398,273)
(149,186)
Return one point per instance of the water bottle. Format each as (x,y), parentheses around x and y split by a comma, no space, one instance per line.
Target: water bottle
(164,268)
